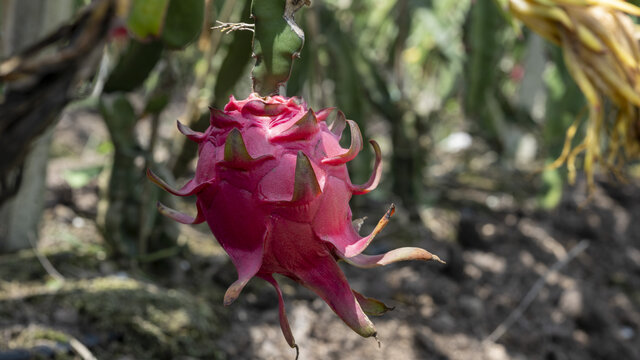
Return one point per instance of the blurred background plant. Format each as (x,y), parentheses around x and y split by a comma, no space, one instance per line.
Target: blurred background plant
(416,74)
(461,99)
(599,45)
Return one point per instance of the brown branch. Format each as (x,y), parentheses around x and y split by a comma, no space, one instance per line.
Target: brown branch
(38,81)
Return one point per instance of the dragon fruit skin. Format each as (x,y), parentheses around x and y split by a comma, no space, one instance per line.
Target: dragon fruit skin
(272,184)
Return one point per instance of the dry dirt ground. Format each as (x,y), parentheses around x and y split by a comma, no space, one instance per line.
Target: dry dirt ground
(497,243)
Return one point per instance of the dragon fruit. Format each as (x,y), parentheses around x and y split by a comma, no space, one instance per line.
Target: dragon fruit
(272,184)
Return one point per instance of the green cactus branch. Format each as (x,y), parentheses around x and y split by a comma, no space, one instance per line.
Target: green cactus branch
(277,41)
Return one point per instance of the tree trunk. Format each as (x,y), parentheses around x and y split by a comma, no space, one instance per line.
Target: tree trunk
(23,22)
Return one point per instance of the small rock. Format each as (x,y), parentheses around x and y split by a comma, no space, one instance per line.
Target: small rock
(580,337)
(486,261)
(472,271)
(626,332)
(571,302)
(495,351)
(77,222)
(427,307)
(302,320)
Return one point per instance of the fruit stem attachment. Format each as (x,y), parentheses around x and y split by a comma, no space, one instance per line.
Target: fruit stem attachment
(277,41)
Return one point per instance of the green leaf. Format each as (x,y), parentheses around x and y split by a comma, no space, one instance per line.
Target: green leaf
(183,22)
(134,66)
(77,178)
(146,18)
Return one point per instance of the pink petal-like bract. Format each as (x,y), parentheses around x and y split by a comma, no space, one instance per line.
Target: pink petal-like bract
(272,184)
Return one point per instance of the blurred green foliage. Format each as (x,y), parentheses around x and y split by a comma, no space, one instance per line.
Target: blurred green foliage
(134,66)
(183,22)
(147,17)
(77,178)
(410,72)
(175,22)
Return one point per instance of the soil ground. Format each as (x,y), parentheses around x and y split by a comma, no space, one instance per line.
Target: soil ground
(485,223)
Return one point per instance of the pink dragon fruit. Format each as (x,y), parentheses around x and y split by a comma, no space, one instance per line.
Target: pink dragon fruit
(272,184)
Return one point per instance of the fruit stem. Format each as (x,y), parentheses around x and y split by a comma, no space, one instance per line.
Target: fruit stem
(277,41)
